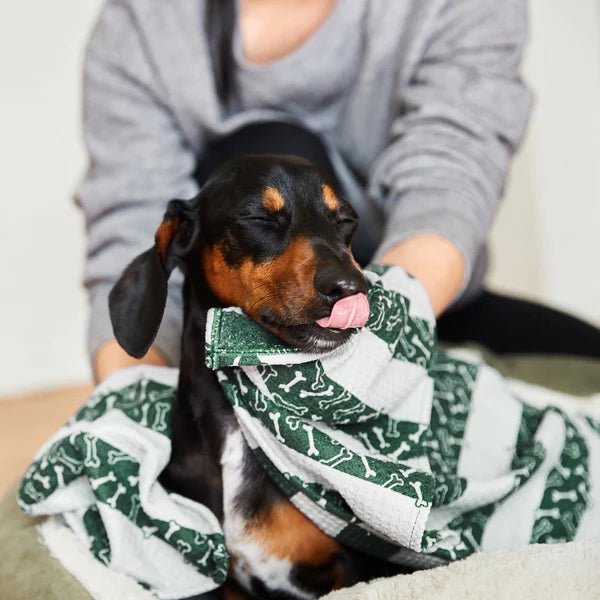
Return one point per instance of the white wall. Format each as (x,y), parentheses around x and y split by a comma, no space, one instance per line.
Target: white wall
(42,305)
(547,238)
(546,242)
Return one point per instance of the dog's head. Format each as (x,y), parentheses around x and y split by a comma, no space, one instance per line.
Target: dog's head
(265,233)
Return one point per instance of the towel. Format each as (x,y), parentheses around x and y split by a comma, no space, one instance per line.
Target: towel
(387,443)
(98,477)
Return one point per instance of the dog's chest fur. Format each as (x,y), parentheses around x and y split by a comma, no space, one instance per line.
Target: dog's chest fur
(250,561)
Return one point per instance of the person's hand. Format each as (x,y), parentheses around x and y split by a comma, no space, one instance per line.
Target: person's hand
(436,262)
(110,357)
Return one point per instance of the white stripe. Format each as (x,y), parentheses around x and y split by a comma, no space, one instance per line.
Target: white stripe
(512,523)
(491,430)
(327,522)
(399,281)
(151,451)
(541,397)
(477,494)
(589,528)
(372,354)
(392,514)
(103,583)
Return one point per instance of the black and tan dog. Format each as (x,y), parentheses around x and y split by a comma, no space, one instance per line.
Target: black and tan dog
(268,234)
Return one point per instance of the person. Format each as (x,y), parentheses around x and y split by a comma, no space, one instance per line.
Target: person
(416,106)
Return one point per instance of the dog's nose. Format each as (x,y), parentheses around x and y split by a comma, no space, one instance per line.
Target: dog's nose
(334,284)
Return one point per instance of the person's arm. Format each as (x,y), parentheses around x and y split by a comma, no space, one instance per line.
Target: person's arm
(461,118)
(435,261)
(138,160)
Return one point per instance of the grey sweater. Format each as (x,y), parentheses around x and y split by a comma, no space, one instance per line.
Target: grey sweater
(421,99)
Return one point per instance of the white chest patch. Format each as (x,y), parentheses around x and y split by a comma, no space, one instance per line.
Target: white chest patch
(248,558)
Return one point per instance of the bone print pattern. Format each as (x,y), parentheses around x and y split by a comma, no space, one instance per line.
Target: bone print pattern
(286,416)
(145,402)
(353,534)
(454,383)
(409,340)
(470,526)
(114,478)
(389,313)
(566,493)
(298,405)
(99,544)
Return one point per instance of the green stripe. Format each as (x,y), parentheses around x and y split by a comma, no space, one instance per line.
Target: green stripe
(454,383)
(567,490)
(146,402)
(99,545)
(84,454)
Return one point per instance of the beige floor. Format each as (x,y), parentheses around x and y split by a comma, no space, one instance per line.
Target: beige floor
(27,421)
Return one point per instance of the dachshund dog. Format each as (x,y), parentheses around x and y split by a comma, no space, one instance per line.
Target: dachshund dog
(269,234)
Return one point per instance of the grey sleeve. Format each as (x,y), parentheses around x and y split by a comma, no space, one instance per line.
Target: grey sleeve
(138,160)
(461,118)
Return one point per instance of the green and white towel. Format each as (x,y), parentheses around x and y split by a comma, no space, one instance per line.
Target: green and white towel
(98,477)
(387,443)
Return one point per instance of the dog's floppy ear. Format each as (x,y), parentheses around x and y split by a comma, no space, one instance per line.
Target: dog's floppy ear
(137,301)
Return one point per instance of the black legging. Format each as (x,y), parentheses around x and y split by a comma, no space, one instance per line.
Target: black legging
(500,323)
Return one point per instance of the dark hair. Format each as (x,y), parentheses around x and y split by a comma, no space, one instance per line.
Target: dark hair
(219,26)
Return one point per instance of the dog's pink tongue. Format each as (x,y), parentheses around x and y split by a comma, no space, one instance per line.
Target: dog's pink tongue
(352,311)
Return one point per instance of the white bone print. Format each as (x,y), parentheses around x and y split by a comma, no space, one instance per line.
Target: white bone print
(135,507)
(91,452)
(324,393)
(275,418)
(457,408)
(558,496)
(369,472)
(298,378)
(339,399)
(394,481)
(202,561)
(379,433)
(148,530)
(318,383)
(352,410)
(312,449)
(419,344)
(406,471)
(416,436)
(96,483)
(466,375)
(112,501)
(44,480)
(552,513)
(243,388)
(343,455)
(542,528)
(416,485)
(173,528)
(115,456)
(403,447)
(443,395)
(59,470)
(438,409)
(144,421)
(392,429)
(468,534)
(364,436)
(565,472)
(160,417)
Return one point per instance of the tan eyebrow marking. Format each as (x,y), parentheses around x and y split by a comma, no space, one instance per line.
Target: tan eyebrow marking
(163,236)
(331,200)
(272,199)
